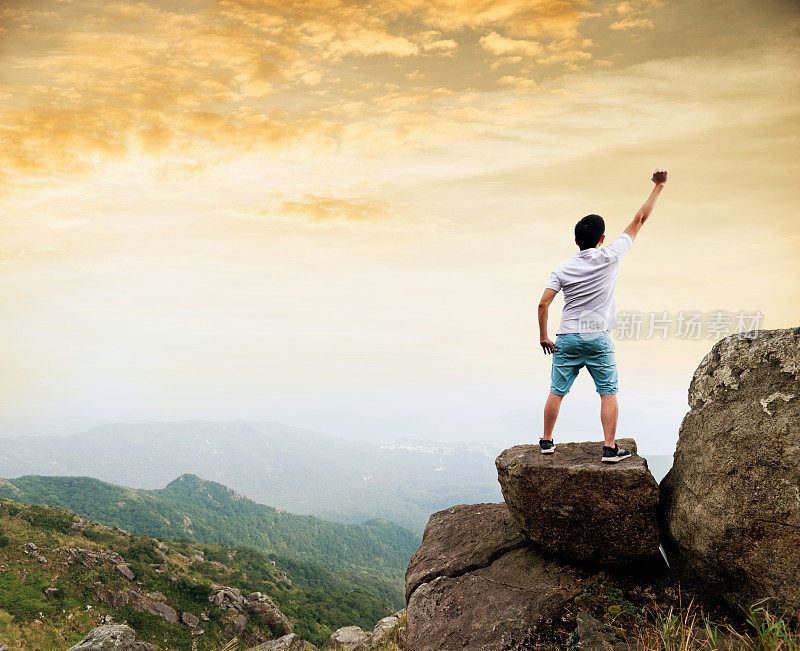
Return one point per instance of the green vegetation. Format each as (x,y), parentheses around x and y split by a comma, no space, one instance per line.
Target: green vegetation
(375,554)
(316,600)
(683,627)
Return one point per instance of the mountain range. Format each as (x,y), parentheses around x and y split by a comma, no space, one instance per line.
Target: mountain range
(289,468)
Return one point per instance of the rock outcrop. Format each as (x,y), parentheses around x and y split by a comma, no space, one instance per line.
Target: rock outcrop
(489,587)
(348,637)
(575,507)
(112,637)
(382,630)
(137,600)
(290,642)
(462,538)
(265,609)
(730,504)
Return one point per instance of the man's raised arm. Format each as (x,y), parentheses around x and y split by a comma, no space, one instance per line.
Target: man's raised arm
(659,178)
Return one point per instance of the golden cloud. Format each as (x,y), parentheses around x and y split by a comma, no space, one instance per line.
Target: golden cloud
(84,79)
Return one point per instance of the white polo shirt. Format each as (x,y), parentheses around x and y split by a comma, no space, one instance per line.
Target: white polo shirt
(588,280)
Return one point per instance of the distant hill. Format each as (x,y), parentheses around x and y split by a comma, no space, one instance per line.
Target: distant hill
(290,468)
(57,583)
(205,511)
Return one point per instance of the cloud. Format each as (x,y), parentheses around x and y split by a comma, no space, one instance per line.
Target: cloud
(85,82)
(444,45)
(326,209)
(631,14)
(631,23)
(502,46)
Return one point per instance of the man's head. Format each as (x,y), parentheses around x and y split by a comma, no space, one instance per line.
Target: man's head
(590,231)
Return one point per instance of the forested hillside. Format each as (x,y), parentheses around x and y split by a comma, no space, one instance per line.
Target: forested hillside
(374,554)
(60,577)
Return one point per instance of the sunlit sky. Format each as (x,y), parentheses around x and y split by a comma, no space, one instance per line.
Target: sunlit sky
(341,215)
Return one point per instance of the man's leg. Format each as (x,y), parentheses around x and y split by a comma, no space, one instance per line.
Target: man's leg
(551,408)
(609,410)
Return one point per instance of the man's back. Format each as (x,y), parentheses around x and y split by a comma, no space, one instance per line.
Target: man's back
(588,280)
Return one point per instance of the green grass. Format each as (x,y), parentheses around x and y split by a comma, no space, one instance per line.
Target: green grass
(687,628)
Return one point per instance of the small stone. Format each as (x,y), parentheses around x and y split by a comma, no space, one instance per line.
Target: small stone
(190,620)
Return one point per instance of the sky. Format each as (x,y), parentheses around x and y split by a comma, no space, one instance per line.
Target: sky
(341,215)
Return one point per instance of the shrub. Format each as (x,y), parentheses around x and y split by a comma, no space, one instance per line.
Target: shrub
(45,518)
(143,552)
(191,592)
(4,540)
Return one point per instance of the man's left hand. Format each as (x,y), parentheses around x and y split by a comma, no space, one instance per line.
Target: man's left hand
(548,346)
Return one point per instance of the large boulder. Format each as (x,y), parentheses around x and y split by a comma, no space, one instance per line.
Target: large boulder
(489,588)
(459,538)
(112,637)
(574,506)
(730,505)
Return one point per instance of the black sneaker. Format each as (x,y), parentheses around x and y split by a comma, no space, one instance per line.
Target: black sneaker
(547,447)
(615,454)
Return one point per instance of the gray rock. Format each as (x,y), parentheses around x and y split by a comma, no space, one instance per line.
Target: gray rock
(730,505)
(382,629)
(51,592)
(236,625)
(116,637)
(290,642)
(228,598)
(460,538)
(574,506)
(190,620)
(347,637)
(80,525)
(137,600)
(163,610)
(265,610)
(594,635)
(490,606)
(125,571)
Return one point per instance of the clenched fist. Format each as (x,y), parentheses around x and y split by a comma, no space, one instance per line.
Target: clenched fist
(660,176)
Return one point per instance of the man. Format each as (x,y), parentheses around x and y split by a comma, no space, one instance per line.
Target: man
(588,280)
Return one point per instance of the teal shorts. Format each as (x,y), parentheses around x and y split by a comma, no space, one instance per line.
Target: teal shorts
(595,351)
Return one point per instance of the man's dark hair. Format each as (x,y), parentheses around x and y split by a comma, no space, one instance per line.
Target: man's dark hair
(589,230)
